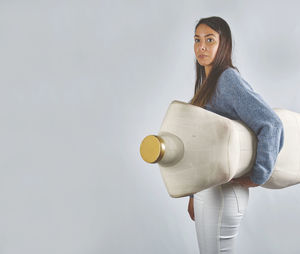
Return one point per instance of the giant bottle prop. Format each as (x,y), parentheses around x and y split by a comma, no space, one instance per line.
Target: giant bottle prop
(197,149)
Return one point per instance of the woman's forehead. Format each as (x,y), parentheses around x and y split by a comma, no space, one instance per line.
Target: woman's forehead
(204,30)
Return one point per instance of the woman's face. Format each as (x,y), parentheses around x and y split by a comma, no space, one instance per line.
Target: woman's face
(206,43)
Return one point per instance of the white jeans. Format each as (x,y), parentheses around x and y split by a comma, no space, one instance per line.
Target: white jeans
(218,212)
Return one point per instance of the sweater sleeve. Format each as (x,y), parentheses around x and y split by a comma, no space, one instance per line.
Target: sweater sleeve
(236,98)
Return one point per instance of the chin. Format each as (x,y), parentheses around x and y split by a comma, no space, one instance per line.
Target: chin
(203,64)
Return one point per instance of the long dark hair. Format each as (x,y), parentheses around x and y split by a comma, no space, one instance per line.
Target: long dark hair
(205,86)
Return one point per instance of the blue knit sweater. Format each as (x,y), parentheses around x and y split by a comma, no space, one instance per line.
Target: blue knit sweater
(235,99)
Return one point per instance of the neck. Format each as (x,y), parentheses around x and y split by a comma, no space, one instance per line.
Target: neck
(207,70)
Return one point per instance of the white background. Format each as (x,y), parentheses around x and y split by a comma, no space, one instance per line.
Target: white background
(83,82)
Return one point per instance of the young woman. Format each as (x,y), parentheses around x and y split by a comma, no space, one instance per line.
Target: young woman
(219,87)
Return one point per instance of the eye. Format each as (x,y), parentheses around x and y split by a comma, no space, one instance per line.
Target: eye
(196,40)
(210,39)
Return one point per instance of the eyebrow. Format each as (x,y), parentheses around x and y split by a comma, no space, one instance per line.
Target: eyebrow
(205,35)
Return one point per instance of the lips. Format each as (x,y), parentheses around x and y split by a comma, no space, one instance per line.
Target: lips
(202,56)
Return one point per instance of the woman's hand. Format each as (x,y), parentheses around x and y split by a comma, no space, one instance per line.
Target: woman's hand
(191,208)
(244,181)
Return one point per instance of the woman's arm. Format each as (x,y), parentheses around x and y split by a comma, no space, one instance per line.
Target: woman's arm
(236,98)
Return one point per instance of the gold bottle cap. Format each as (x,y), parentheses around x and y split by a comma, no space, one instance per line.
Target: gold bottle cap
(152,148)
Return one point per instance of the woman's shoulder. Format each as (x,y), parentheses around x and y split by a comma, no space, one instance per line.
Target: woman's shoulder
(232,77)
(230,72)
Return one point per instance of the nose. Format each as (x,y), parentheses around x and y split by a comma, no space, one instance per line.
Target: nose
(201,46)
